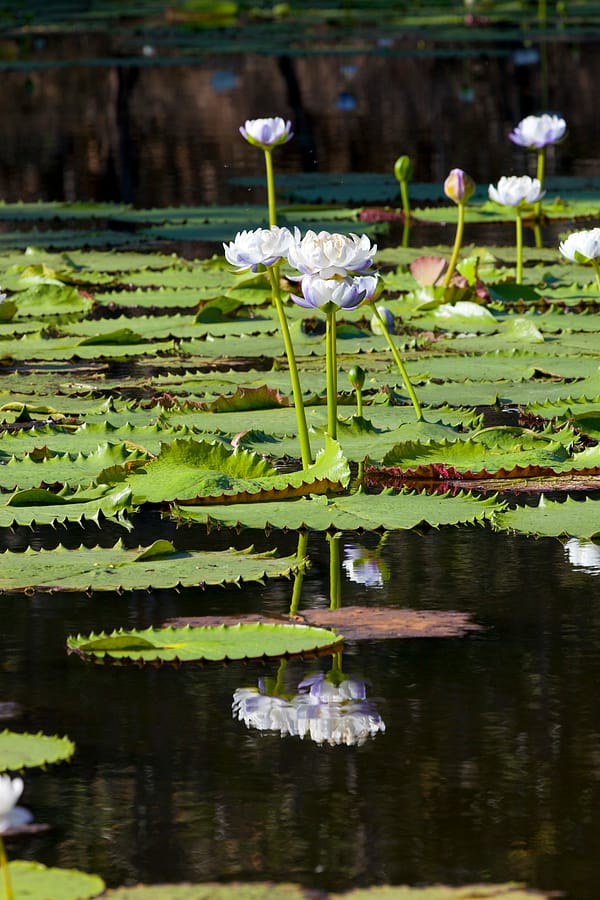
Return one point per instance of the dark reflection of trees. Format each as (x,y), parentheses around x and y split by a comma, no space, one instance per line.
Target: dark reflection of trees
(164,135)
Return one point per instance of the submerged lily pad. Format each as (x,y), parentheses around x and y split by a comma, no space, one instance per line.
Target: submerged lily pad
(206,644)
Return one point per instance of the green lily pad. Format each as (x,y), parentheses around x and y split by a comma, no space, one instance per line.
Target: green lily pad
(117,569)
(551,518)
(211,891)
(206,644)
(388,510)
(34,881)
(20,750)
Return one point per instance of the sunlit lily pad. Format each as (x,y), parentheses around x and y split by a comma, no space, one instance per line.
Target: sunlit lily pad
(20,750)
(206,644)
(38,882)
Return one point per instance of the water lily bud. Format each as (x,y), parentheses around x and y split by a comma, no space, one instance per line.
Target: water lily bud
(388,318)
(403,169)
(356,377)
(459,186)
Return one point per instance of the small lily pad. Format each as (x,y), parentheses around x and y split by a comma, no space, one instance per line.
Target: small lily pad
(19,750)
(206,644)
(37,882)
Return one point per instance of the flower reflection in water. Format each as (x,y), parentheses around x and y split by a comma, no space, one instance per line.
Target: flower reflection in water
(585,555)
(330,708)
(364,566)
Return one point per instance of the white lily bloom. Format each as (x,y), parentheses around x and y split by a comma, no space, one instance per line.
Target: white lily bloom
(263,711)
(11,815)
(261,247)
(513,190)
(267,133)
(536,132)
(581,246)
(330,255)
(329,293)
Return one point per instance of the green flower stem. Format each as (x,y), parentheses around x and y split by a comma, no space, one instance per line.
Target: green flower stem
(359,402)
(405,203)
(335,574)
(460,227)
(270,188)
(331,364)
(305,450)
(299,577)
(596,265)
(519,226)
(8,894)
(401,367)
(537,208)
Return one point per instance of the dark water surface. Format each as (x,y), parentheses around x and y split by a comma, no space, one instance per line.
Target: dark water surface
(489,767)
(154,131)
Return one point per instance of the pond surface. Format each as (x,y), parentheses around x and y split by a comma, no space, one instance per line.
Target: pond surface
(489,767)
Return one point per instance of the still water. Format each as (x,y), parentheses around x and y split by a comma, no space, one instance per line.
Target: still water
(489,766)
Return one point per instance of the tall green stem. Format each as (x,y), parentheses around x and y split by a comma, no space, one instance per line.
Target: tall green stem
(460,227)
(270,188)
(537,209)
(331,365)
(8,894)
(406,211)
(596,265)
(519,226)
(305,450)
(359,402)
(401,367)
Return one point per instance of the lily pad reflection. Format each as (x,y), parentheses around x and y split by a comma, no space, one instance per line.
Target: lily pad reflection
(328,708)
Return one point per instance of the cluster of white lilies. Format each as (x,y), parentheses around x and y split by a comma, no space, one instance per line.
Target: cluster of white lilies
(336,271)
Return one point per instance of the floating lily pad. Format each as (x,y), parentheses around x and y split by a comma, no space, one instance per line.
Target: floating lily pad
(211,891)
(118,569)
(20,750)
(206,644)
(37,882)
(575,518)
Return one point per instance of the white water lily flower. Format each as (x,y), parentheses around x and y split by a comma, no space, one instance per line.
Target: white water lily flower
(264,712)
(582,246)
(329,255)
(11,815)
(267,133)
(329,293)
(513,190)
(536,132)
(261,247)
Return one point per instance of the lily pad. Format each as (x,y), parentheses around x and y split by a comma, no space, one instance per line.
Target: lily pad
(118,569)
(20,750)
(37,882)
(575,518)
(206,644)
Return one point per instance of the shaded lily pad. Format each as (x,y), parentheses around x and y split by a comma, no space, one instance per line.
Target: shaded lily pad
(551,518)
(118,569)
(210,891)
(207,644)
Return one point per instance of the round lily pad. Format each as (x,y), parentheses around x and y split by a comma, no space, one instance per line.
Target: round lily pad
(206,644)
(37,882)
